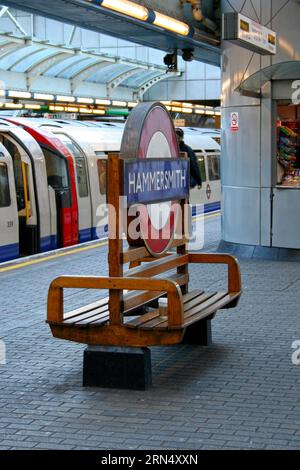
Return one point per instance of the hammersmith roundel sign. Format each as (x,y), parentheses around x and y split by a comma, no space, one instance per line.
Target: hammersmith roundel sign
(155,177)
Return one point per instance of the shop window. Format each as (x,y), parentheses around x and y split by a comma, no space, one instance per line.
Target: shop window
(4,186)
(213,162)
(288,146)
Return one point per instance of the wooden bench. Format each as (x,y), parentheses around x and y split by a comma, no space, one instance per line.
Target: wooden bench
(97,324)
(122,318)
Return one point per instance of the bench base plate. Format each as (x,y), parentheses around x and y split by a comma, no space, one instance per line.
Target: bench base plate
(115,367)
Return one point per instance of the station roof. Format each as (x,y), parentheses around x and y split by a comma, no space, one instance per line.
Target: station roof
(282,71)
(93,17)
(38,60)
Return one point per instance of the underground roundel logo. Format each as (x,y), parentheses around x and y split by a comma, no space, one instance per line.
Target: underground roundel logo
(149,134)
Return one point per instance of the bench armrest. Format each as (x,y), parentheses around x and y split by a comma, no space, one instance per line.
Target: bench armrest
(55,310)
(234,272)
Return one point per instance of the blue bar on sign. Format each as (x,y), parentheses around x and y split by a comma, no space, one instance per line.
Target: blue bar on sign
(155,180)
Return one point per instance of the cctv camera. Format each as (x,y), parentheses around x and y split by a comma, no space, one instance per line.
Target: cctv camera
(187,55)
(171,61)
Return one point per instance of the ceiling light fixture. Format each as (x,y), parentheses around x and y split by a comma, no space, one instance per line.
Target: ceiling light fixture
(127,8)
(166,22)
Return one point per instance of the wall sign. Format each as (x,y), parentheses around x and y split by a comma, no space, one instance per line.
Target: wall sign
(249,34)
(234,122)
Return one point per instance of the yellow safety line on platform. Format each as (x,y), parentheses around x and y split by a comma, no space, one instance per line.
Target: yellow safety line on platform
(78,250)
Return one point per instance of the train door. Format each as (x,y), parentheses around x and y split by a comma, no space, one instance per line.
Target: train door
(82,187)
(98,170)
(26,201)
(213,187)
(61,177)
(198,198)
(9,230)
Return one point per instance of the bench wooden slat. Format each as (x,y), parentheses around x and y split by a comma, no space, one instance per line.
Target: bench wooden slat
(160,266)
(210,310)
(162,322)
(137,322)
(197,300)
(137,254)
(211,300)
(88,316)
(192,295)
(154,323)
(135,300)
(86,308)
(92,321)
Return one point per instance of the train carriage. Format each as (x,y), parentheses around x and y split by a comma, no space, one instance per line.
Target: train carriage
(74,181)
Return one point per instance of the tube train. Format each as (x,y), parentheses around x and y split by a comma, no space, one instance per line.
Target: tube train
(53,179)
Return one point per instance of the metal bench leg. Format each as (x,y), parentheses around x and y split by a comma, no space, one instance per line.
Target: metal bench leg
(116,367)
(199,333)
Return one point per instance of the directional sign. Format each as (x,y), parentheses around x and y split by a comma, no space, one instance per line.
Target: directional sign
(150,134)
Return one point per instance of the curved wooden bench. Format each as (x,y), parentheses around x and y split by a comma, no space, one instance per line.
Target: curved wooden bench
(94,324)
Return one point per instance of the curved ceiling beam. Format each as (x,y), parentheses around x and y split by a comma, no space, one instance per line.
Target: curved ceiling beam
(37,70)
(117,80)
(139,93)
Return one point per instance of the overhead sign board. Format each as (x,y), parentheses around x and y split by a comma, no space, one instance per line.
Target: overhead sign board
(249,34)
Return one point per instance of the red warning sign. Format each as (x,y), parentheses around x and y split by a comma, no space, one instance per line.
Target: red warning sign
(234,122)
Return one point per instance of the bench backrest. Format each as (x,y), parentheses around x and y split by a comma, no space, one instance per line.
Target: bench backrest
(174,263)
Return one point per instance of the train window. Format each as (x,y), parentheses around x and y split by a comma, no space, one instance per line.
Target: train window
(201,164)
(214,167)
(102,175)
(4,186)
(57,170)
(21,177)
(81,172)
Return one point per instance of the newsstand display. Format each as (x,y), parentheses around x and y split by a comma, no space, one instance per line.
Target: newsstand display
(288,148)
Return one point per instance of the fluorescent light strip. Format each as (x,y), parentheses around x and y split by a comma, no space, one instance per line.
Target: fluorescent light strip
(71,109)
(119,103)
(18,94)
(57,108)
(85,100)
(67,99)
(99,111)
(199,111)
(187,110)
(166,22)
(13,105)
(2,92)
(103,102)
(43,96)
(127,8)
(85,110)
(33,106)
(132,105)
(176,109)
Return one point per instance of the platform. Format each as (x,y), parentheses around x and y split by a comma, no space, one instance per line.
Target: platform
(243,392)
